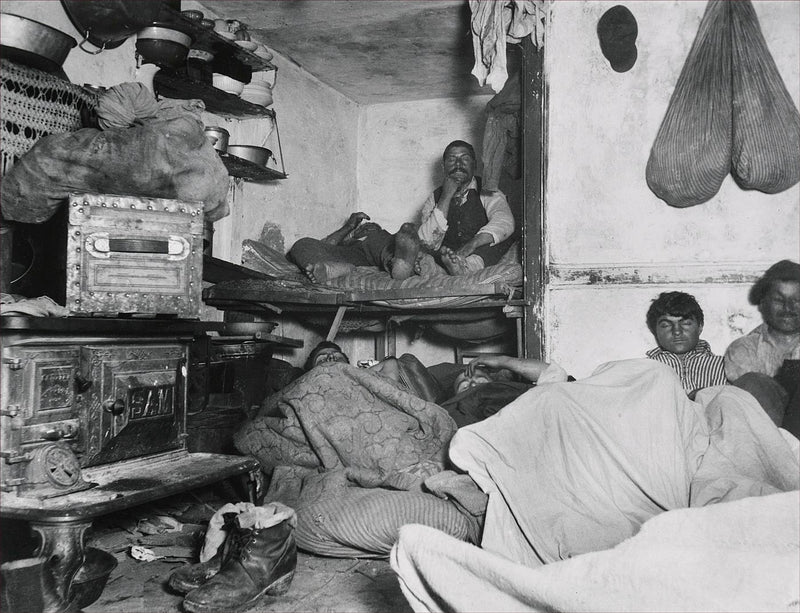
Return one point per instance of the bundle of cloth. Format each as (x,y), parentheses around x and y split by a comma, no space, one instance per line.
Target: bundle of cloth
(618,493)
(350,451)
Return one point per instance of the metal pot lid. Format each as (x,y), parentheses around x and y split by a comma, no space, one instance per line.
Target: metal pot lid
(109,23)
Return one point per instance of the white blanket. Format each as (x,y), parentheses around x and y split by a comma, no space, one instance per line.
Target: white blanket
(734,556)
(573,468)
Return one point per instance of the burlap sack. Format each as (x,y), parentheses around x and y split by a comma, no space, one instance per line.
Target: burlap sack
(164,157)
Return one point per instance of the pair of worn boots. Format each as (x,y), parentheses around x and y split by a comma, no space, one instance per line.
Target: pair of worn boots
(258,556)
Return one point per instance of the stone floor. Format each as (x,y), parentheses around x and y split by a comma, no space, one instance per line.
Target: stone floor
(320,584)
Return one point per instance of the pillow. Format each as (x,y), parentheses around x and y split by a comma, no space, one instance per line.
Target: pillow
(257,256)
(365,523)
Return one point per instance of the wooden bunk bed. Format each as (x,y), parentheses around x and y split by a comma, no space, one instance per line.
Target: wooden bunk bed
(518,297)
(369,298)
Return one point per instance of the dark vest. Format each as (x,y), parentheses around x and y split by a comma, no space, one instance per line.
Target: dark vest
(464,221)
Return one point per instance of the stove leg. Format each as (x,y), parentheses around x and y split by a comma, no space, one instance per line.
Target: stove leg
(62,547)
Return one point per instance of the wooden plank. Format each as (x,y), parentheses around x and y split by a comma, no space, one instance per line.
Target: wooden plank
(534,143)
(410,293)
(214,296)
(216,270)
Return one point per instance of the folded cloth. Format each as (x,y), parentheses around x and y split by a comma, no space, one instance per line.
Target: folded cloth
(43,306)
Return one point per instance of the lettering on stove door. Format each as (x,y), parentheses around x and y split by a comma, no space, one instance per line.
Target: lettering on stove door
(151,401)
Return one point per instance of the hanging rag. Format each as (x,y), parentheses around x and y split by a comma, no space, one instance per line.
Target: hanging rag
(493,23)
(501,134)
(730,112)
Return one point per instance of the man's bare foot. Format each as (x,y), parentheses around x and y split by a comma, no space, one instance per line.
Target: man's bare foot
(454,263)
(322,272)
(406,249)
(426,266)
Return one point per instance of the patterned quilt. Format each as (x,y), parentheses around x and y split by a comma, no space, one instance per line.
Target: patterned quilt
(338,417)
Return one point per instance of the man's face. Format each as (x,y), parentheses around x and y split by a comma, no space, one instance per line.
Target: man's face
(459,164)
(329,354)
(780,307)
(677,334)
(463,381)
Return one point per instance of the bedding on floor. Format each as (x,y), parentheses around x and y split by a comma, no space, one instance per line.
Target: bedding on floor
(349,450)
(573,469)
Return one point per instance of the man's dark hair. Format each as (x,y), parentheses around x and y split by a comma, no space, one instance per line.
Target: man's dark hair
(320,346)
(676,304)
(785,270)
(460,143)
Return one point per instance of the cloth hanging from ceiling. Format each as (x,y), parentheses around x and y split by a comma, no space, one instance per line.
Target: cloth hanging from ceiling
(730,113)
(495,23)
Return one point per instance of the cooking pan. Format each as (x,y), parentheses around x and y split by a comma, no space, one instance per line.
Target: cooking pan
(34,44)
(108,23)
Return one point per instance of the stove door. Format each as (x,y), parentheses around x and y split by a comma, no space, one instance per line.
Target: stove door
(136,405)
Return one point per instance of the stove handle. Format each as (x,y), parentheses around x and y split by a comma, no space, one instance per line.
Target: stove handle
(115,407)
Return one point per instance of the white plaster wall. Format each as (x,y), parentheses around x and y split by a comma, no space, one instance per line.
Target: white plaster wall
(400,148)
(107,68)
(600,214)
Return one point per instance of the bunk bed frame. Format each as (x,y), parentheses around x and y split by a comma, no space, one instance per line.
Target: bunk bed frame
(524,304)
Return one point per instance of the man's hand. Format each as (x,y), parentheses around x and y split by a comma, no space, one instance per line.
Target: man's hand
(450,188)
(495,362)
(355,219)
(478,240)
(340,236)
(363,230)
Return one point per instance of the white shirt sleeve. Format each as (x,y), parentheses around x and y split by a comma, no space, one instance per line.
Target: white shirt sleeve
(501,221)
(433,225)
(500,224)
(552,374)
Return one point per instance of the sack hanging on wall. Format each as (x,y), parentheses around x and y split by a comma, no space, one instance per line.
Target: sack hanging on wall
(691,155)
(766,124)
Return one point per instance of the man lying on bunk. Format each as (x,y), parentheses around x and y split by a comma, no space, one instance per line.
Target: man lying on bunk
(462,229)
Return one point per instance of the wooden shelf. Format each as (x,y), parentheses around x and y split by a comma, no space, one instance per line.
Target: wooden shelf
(175,85)
(247,170)
(224,49)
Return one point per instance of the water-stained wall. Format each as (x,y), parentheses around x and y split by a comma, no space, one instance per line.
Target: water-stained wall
(611,244)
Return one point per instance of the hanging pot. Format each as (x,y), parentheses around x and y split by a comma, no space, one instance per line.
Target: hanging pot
(108,23)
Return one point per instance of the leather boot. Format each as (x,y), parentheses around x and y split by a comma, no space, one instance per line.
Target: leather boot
(263,562)
(188,578)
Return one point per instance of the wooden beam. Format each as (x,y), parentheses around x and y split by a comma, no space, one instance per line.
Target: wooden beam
(534,148)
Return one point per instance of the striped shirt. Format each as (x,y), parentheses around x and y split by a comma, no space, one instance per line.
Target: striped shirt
(697,368)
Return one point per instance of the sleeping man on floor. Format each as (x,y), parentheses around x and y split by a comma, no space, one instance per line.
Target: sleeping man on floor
(462,229)
(357,455)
